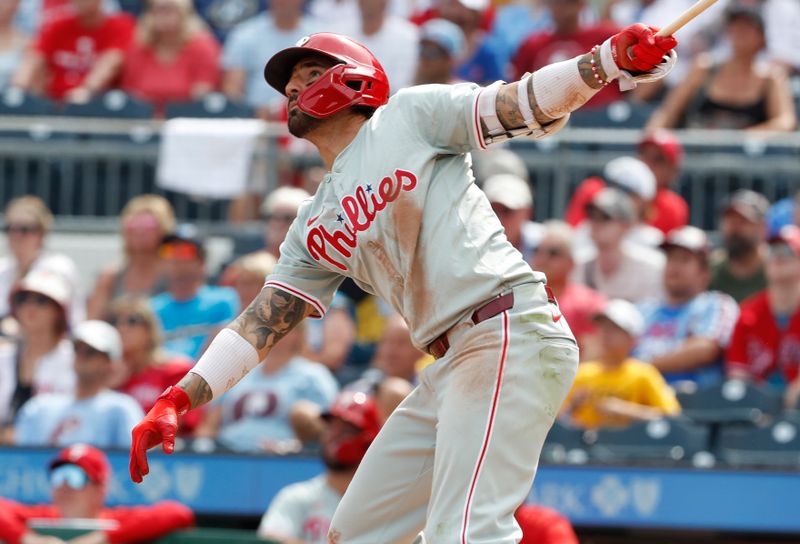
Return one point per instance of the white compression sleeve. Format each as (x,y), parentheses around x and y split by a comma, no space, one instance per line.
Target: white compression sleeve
(227,360)
(560,89)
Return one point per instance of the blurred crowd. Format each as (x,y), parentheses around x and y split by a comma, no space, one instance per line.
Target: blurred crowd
(735,58)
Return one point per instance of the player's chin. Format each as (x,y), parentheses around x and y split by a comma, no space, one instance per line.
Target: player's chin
(300,123)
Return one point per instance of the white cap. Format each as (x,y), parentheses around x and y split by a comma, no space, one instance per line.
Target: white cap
(509,190)
(624,315)
(284,196)
(101,336)
(49,283)
(632,176)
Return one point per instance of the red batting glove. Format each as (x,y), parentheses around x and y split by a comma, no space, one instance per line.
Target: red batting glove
(638,49)
(158,427)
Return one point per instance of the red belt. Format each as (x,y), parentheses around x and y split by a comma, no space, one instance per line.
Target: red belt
(499,304)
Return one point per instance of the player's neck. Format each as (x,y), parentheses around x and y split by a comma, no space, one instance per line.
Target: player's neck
(331,138)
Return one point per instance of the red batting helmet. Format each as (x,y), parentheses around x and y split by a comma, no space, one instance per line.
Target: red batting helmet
(359,410)
(358,79)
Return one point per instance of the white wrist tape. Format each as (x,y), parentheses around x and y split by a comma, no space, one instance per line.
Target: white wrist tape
(227,360)
(560,89)
(487,109)
(524,103)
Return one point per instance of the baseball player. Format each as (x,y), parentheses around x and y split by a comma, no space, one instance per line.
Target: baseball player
(398,212)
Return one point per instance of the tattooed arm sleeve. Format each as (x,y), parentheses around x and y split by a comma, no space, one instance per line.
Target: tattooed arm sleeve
(508,105)
(230,356)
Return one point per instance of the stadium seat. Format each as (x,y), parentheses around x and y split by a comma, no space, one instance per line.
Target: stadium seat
(16,102)
(114,104)
(564,444)
(776,445)
(212,105)
(732,401)
(619,114)
(664,440)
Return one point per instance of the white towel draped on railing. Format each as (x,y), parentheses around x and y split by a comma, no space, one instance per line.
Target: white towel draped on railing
(208,157)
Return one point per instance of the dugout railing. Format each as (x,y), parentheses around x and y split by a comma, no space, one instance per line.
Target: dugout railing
(87,168)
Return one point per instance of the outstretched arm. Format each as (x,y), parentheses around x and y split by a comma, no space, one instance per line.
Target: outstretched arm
(539,103)
(235,351)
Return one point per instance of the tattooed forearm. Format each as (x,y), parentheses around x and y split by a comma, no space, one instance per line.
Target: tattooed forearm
(507,104)
(269,317)
(196,388)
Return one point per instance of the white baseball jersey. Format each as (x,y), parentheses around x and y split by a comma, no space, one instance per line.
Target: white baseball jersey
(400,214)
(302,511)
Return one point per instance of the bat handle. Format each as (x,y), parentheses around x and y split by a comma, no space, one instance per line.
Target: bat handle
(685,17)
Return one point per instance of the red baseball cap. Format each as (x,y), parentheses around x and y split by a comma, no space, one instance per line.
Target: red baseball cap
(666,142)
(93,461)
(789,235)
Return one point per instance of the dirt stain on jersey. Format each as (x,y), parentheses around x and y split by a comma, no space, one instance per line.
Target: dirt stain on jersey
(407,219)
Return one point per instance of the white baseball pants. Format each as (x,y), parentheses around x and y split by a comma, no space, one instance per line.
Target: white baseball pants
(459,455)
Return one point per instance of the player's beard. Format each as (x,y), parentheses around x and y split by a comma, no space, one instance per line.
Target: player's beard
(301,123)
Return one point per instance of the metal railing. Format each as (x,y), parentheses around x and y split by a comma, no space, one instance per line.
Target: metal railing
(86,169)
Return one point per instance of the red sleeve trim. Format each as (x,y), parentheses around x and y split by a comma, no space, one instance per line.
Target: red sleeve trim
(477,120)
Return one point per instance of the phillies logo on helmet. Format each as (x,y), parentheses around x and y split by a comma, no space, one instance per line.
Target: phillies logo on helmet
(359,212)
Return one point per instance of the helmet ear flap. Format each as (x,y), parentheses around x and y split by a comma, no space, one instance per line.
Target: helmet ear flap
(330,93)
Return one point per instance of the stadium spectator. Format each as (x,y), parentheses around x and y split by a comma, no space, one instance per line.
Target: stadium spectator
(254,40)
(330,340)
(27,222)
(13,42)
(481,63)
(246,274)
(145,221)
(784,212)
(498,160)
(618,269)
(765,346)
(79,55)
(514,21)
(568,38)
(635,179)
(302,512)
(739,269)
(661,152)
(224,15)
(190,311)
(441,45)
(254,415)
(40,359)
(94,414)
(578,303)
(739,93)
(396,356)
(687,330)
(541,525)
(279,210)
(147,367)
(79,478)
(512,201)
(174,58)
(34,14)
(658,13)
(393,40)
(617,389)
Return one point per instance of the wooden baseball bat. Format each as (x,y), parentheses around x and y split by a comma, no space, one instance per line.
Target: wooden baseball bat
(685,17)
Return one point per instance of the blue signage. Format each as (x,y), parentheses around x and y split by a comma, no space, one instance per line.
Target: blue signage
(589,496)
